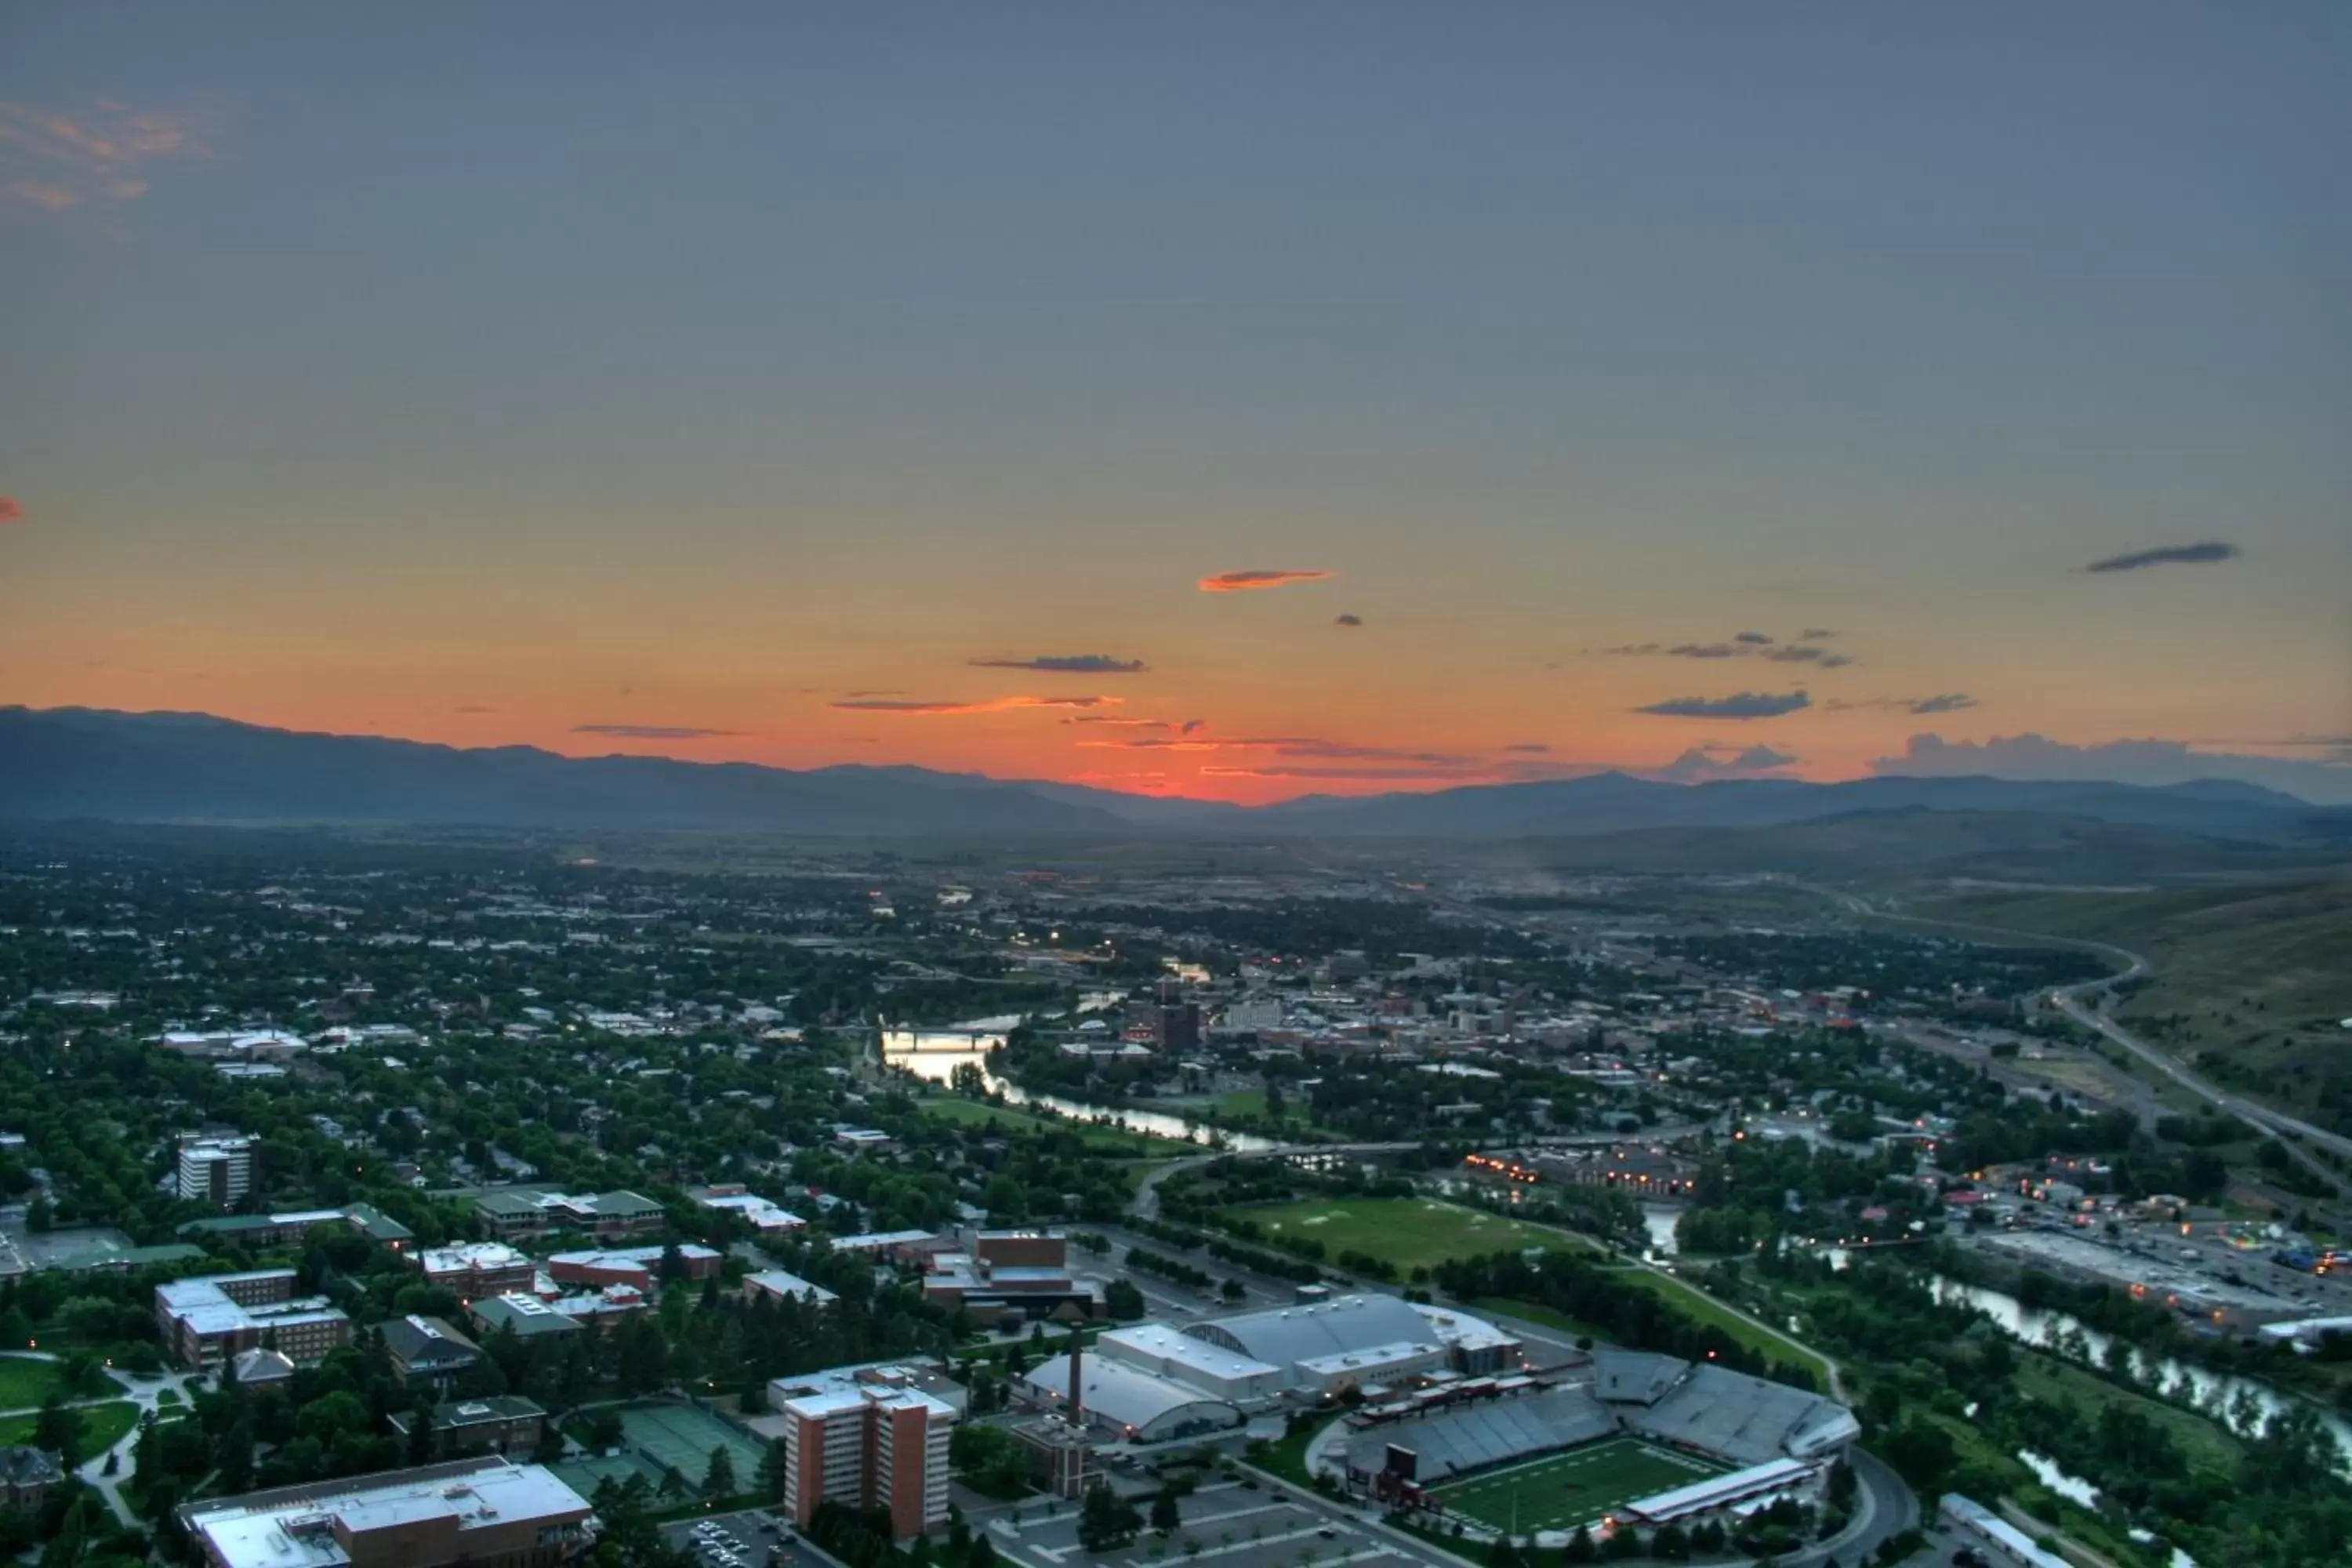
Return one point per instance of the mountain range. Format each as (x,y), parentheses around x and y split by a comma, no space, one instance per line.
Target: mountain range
(70,764)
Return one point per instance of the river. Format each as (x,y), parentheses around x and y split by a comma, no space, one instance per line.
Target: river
(935,1054)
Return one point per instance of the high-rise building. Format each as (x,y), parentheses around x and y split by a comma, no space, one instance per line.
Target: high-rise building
(868,1437)
(1175,1021)
(216,1170)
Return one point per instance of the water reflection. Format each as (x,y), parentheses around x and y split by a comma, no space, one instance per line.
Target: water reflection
(936,1054)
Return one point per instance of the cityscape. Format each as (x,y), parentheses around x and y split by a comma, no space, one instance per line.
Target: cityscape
(1502,784)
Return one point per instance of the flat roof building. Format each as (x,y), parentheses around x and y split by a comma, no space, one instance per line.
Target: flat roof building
(209,1319)
(486,1510)
(216,1170)
(472,1269)
(867,1436)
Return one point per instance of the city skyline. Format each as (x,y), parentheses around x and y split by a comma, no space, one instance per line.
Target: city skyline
(1234,404)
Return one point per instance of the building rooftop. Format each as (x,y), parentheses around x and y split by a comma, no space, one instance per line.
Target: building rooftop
(300,1527)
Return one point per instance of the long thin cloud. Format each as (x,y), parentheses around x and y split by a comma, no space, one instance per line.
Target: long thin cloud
(1242,582)
(986,705)
(2203,554)
(1739,705)
(101,156)
(1066,664)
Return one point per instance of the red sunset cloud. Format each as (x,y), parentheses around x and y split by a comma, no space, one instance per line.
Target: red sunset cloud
(1240,581)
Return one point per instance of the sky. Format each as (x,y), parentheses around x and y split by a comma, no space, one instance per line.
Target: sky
(1218,399)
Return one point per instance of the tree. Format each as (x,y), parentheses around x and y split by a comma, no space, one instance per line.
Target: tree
(58,1430)
(719,1478)
(420,1438)
(1165,1515)
(1580,1547)
(1123,1301)
(1504,1552)
(1106,1519)
(774,1472)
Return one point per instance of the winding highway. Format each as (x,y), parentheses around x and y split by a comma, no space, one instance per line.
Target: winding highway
(2070,1000)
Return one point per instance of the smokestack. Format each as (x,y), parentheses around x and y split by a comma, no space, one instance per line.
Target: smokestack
(1077,1392)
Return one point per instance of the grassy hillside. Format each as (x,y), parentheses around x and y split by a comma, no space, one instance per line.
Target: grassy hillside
(2250,982)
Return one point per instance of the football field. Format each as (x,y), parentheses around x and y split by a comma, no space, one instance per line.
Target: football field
(1560,1491)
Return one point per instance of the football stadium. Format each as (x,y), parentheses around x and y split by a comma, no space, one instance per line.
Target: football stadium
(1646,1439)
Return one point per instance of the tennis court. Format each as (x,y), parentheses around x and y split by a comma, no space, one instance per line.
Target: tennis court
(681,1436)
(582,1475)
(1560,1491)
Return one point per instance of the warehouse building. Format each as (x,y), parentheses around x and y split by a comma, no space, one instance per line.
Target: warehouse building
(1127,1403)
(1167,1352)
(1350,1340)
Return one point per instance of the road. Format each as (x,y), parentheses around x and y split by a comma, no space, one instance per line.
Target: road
(2069,1000)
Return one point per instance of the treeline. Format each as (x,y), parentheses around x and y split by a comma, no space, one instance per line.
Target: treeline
(1591,1294)
(1250,1258)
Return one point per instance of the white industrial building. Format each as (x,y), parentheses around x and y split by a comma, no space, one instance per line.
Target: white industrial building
(1127,1402)
(1326,1346)
(1167,1352)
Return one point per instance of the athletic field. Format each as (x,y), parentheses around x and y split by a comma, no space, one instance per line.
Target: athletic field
(1560,1491)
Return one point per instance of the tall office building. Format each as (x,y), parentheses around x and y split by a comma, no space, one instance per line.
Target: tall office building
(868,1437)
(1175,1021)
(216,1170)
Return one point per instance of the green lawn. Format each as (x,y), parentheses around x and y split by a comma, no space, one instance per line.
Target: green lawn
(1100,1139)
(1410,1233)
(1706,1310)
(1560,1491)
(102,1426)
(24,1383)
(1536,1313)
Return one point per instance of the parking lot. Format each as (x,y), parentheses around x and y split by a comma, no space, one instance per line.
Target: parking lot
(739,1541)
(1226,1524)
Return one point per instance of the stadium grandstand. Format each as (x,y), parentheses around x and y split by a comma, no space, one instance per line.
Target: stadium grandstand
(1589,1450)
(1462,1440)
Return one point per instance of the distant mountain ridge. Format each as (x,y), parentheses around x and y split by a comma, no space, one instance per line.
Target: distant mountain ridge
(69,763)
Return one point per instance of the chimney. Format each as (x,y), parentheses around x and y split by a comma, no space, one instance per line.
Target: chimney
(1078,1393)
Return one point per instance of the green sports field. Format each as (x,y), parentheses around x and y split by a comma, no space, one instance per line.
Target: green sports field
(1560,1491)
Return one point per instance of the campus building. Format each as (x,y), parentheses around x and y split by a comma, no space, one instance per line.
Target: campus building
(485,1512)
(779,1285)
(26,1477)
(288,1229)
(1009,1274)
(637,1267)
(518,1214)
(474,1268)
(735,1198)
(429,1351)
(869,1437)
(209,1319)
(1328,1346)
(508,1424)
(216,1170)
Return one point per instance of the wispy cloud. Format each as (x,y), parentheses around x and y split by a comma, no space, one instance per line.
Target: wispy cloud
(1190,725)
(1532,748)
(473,708)
(652,731)
(11,510)
(1120,722)
(1153,743)
(985,705)
(1815,634)
(1347,620)
(1739,705)
(1240,581)
(1942,702)
(1306,747)
(1741,645)
(1066,664)
(2204,554)
(99,156)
